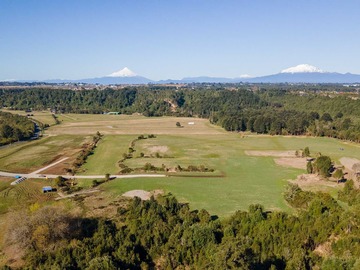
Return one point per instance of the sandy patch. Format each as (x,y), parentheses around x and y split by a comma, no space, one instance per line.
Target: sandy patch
(312,180)
(271,153)
(298,163)
(142,194)
(158,149)
(308,178)
(324,249)
(348,162)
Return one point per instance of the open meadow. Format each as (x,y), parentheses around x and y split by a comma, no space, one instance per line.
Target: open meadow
(239,179)
(26,157)
(245,168)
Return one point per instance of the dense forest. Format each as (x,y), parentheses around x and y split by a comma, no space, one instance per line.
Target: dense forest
(15,128)
(165,234)
(269,111)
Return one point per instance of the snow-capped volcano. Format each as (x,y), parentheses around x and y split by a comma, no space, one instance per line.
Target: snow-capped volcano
(124,76)
(303,68)
(245,76)
(125,72)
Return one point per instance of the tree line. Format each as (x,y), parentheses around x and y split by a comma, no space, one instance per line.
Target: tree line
(166,234)
(266,111)
(15,128)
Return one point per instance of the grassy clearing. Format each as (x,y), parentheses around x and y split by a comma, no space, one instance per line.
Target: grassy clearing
(29,156)
(247,179)
(108,152)
(221,196)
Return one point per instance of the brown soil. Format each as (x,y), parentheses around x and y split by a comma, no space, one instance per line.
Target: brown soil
(6,179)
(348,162)
(298,163)
(60,168)
(13,256)
(324,250)
(309,181)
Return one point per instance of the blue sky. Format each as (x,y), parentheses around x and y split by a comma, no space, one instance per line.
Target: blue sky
(42,39)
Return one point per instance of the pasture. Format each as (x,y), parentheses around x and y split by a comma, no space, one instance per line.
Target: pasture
(44,117)
(239,178)
(247,179)
(130,124)
(26,157)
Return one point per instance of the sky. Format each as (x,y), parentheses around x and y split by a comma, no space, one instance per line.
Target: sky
(162,39)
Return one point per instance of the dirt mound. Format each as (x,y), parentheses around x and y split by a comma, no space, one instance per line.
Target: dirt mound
(271,153)
(142,194)
(298,163)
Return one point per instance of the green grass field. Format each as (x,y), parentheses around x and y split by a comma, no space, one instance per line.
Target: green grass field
(108,152)
(29,156)
(246,179)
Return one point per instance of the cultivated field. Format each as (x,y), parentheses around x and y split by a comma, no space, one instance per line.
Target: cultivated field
(247,168)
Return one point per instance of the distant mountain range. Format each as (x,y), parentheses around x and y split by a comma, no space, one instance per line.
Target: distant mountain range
(299,74)
(124,76)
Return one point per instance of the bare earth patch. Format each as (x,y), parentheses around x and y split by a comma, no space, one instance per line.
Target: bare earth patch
(298,163)
(271,153)
(324,250)
(158,149)
(349,162)
(309,181)
(142,194)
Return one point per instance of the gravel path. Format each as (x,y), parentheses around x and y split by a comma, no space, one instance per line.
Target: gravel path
(37,174)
